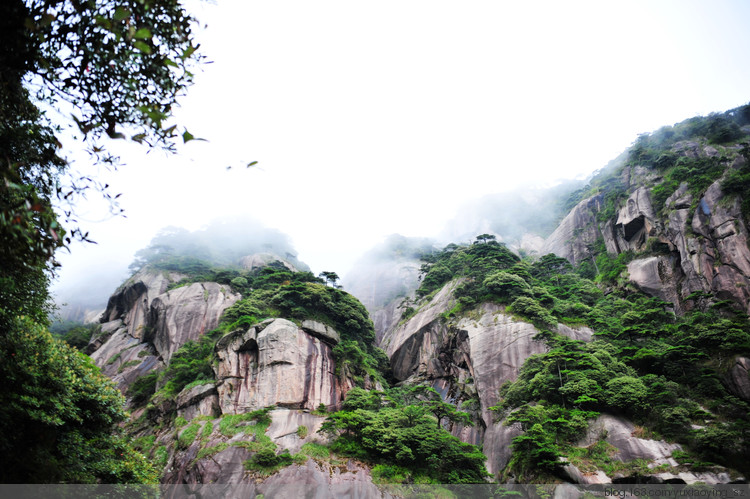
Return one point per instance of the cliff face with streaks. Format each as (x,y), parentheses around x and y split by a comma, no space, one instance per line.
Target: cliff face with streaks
(697,242)
(146,322)
(633,339)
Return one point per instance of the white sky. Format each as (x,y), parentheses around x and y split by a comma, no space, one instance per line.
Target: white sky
(369,118)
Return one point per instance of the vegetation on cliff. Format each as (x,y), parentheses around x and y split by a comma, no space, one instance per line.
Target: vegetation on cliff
(400,431)
(663,371)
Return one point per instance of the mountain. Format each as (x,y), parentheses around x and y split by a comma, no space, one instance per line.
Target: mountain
(617,354)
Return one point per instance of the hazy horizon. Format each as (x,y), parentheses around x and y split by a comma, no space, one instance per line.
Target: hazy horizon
(368,120)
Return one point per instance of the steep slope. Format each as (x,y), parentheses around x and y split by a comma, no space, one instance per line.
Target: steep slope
(146,322)
(505,339)
(186,342)
(673,208)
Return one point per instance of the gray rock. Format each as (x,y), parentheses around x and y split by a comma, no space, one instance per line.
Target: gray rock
(284,428)
(575,475)
(225,467)
(275,363)
(200,400)
(655,276)
(144,322)
(186,313)
(322,331)
(618,432)
(577,232)
(738,378)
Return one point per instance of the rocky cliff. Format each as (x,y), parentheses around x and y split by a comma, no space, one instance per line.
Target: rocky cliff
(146,322)
(467,360)
(505,339)
(696,243)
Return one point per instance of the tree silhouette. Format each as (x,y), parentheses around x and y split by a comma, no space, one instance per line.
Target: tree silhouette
(331,277)
(485,238)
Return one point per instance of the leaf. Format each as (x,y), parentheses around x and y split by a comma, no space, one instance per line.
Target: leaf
(104,22)
(190,51)
(253,163)
(143,34)
(142,46)
(121,13)
(187,137)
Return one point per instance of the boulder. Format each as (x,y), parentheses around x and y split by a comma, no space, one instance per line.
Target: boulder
(199,400)
(738,378)
(275,363)
(186,313)
(322,331)
(655,276)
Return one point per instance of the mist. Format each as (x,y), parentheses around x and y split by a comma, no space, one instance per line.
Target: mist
(424,119)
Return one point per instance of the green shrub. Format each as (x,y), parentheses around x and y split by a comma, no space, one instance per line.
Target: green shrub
(506,286)
(528,307)
(232,424)
(187,436)
(315,450)
(141,390)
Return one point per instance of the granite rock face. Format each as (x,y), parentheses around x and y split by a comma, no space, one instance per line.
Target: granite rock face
(185,313)
(145,323)
(276,363)
(690,245)
(738,378)
(200,400)
(622,435)
(468,360)
(577,232)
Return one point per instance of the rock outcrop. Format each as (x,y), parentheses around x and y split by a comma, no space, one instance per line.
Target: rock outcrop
(145,322)
(621,435)
(577,233)
(738,378)
(277,363)
(693,244)
(468,360)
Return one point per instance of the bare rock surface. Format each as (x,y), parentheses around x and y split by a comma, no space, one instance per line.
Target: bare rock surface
(200,400)
(145,323)
(321,480)
(655,276)
(619,432)
(738,378)
(275,363)
(322,331)
(576,233)
(285,429)
(186,313)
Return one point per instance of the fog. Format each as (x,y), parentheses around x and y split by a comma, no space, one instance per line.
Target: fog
(427,119)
